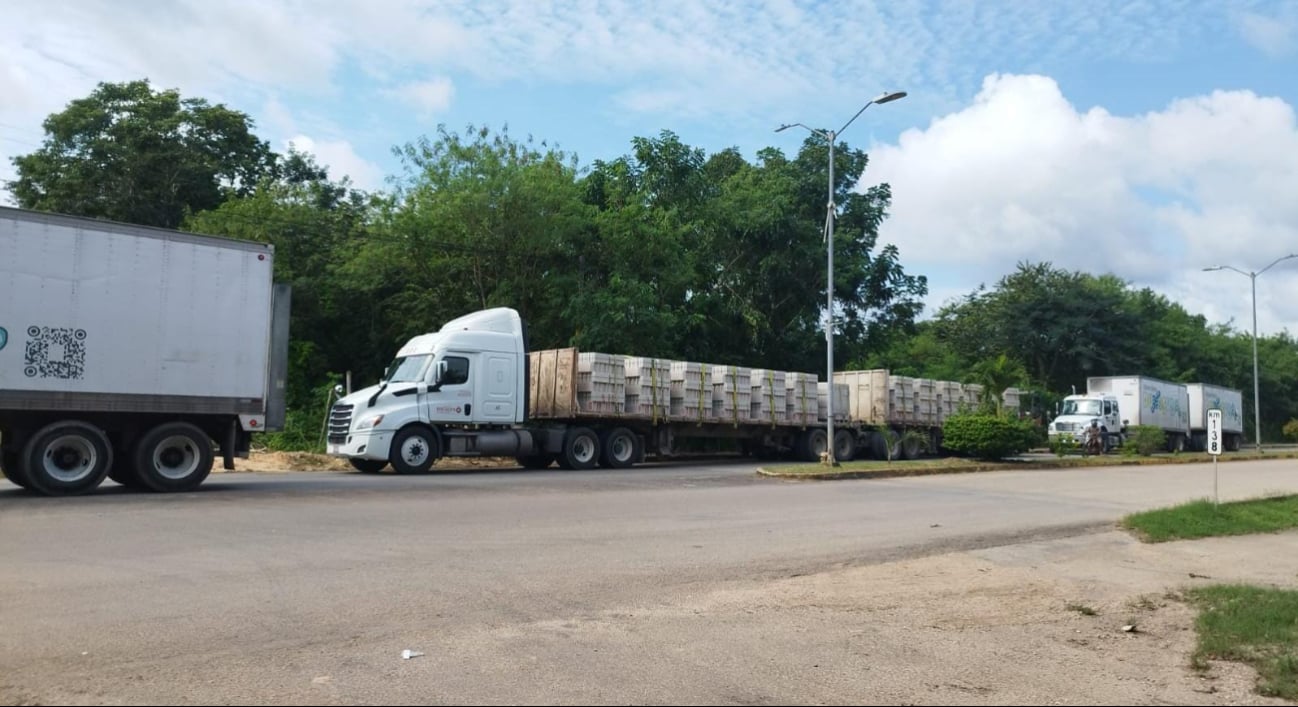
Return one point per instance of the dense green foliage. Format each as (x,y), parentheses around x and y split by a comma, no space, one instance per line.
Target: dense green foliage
(1147,439)
(988,436)
(665,251)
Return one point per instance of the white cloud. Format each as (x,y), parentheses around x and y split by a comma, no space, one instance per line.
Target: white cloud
(429,97)
(341,159)
(1276,36)
(1021,174)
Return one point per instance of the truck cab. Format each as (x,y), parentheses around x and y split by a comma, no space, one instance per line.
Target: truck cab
(469,375)
(1079,411)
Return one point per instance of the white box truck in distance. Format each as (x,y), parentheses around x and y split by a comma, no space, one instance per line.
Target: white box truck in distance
(126,351)
(1205,397)
(1117,403)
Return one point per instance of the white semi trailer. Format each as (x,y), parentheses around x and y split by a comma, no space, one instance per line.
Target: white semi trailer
(133,353)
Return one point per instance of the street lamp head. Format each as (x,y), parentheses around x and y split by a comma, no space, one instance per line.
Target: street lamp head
(889,97)
(782,128)
(1213,268)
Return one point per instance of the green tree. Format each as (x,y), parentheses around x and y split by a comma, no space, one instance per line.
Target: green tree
(315,226)
(129,153)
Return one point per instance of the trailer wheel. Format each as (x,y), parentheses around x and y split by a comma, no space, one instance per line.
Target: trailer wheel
(1233,443)
(620,447)
(414,450)
(910,448)
(11,465)
(812,443)
(580,449)
(535,461)
(368,466)
(67,458)
(174,456)
(844,446)
(1177,443)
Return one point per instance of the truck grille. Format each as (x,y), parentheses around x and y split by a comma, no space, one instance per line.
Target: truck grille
(340,423)
(1061,427)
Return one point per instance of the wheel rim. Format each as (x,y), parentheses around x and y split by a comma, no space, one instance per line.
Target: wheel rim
(621,448)
(415,451)
(176,457)
(818,444)
(842,446)
(70,458)
(583,449)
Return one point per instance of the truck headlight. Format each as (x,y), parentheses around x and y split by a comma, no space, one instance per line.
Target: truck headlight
(369,422)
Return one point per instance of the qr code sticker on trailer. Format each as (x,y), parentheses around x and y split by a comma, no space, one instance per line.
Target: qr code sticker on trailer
(55,352)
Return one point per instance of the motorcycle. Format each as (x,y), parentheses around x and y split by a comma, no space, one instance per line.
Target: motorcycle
(1093,443)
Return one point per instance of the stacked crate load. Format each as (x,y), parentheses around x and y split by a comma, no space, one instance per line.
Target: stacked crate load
(948,398)
(732,394)
(801,398)
(842,401)
(902,399)
(648,387)
(868,395)
(770,396)
(601,384)
(926,401)
(691,392)
(1011,400)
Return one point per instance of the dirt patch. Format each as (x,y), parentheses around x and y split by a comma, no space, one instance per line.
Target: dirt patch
(994,626)
(269,461)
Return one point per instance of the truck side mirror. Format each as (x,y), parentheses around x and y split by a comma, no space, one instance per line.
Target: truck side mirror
(440,374)
(338,390)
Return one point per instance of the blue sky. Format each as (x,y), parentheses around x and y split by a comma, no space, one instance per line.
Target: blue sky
(1144,138)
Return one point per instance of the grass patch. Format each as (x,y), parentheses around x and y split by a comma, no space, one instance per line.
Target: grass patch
(1251,625)
(1201,519)
(1082,609)
(958,465)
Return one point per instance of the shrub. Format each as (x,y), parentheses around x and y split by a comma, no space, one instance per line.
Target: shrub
(1291,429)
(1147,439)
(1064,444)
(987,436)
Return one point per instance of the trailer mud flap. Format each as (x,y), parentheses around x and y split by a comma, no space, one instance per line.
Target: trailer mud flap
(228,445)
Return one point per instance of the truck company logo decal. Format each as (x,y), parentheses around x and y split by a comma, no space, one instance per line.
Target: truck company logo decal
(55,352)
(4,337)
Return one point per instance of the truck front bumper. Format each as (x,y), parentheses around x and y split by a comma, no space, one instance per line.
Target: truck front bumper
(363,445)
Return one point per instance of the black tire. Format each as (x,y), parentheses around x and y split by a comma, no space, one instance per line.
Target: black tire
(844,446)
(910,448)
(173,457)
(12,466)
(620,448)
(67,458)
(414,450)
(581,449)
(812,443)
(535,461)
(368,466)
(1177,443)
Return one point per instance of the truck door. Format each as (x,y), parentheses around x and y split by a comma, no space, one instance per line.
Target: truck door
(453,400)
(498,388)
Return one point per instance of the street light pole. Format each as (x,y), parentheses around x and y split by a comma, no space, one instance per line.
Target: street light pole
(831,136)
(1257,401)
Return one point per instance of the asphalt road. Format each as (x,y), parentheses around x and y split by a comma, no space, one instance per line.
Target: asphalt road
(305,587)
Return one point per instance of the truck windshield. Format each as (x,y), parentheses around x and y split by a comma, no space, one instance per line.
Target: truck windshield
(408,369)
(1082,407)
